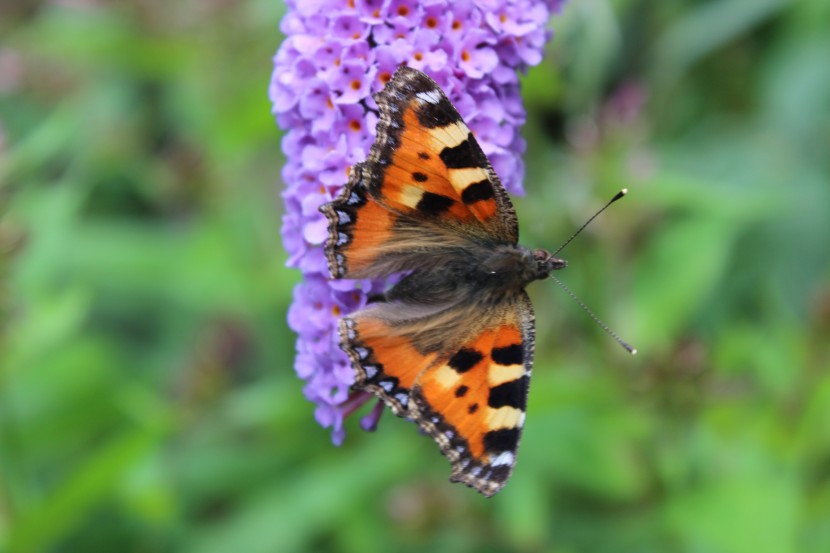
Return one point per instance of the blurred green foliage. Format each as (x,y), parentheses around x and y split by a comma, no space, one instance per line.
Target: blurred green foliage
(147,397)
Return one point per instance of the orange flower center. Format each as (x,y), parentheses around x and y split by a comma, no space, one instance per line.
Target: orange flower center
(465,56)
(403,11)
(355,85)
(354,124)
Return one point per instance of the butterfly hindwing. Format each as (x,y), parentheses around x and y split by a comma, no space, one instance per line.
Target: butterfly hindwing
(385,361)
(428,177)
(473,402)
(468,390)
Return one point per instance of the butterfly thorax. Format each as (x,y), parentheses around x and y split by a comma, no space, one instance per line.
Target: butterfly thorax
(479,275)
(514,266)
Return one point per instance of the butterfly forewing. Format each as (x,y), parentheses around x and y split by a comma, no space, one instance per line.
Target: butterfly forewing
(429,182)
(385,360)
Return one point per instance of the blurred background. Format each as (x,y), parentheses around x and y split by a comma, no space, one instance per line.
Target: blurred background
(147,396)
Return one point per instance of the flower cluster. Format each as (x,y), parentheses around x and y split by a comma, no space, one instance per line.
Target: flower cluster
(336,54)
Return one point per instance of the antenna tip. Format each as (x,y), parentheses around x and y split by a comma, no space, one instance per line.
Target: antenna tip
(628,347)
(616,197)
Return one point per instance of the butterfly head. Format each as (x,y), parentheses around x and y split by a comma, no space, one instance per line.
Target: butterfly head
(546,263)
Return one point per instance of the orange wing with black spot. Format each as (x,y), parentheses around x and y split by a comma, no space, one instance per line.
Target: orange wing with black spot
(468,392)
(425,187)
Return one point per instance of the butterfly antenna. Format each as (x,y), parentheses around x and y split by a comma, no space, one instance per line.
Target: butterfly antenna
(628,347)
(619,195)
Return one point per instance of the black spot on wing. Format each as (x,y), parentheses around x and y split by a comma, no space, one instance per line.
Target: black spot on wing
(434,204)
(504,439)
(423,155)
(509,394)
(461,391)
(465,154)
(419,177)
(508,355)
(472,408)
(476,192)
(465,360)
(499,473)
(437,115)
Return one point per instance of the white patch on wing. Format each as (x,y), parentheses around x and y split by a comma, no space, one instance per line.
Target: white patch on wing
(504,417)
(499,374)
(449,136)
(503,458)
(462,178)
(430,96)
(410,195)
(446,376)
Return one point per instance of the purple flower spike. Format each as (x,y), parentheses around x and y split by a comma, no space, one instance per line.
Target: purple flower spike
(337,53)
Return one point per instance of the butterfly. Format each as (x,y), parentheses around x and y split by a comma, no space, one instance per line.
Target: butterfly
(450,346)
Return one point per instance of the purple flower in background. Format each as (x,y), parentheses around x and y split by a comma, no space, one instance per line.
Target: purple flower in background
(336,54)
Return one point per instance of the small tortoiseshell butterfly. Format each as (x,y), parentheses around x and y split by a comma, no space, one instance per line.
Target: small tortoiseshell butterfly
(450,346)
